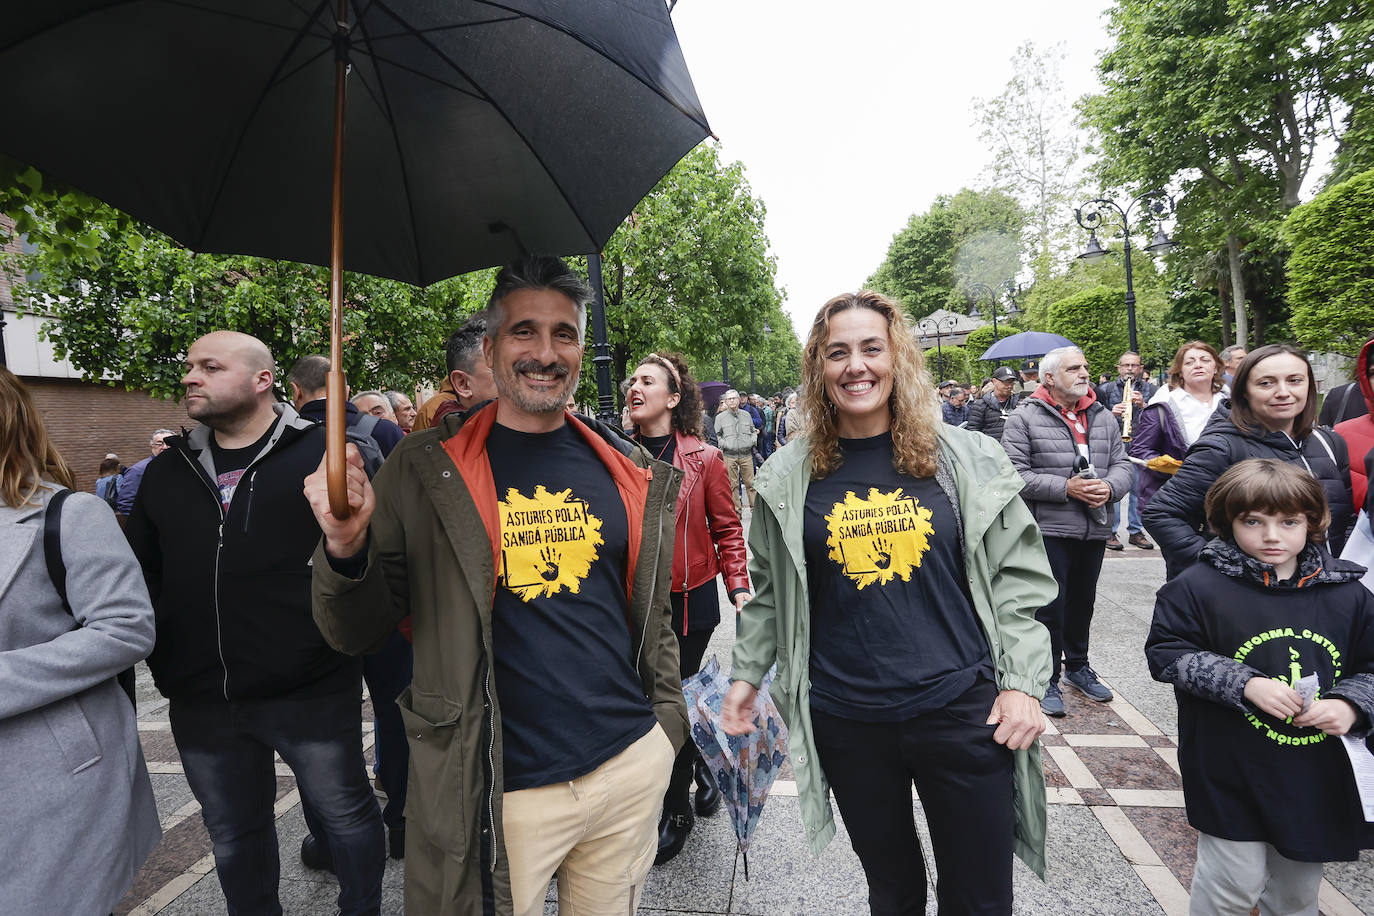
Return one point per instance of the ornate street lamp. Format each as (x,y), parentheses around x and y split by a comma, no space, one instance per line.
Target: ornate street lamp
(979,291)
(1156,206)
(767,331)
(937,326)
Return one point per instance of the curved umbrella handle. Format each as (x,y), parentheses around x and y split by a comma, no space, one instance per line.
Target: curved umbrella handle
(336,456)
(335,417)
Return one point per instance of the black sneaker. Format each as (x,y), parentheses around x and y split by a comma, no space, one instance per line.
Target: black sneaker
(1085,681)
(1053,703)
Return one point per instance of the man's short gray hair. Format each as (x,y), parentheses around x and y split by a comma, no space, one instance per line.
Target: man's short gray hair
(1230,352)
(370,393)
(1051,361)
(537,271)
(730,393)
(152,440)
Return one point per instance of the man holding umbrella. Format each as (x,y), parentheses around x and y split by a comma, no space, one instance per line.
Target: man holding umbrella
(546,708)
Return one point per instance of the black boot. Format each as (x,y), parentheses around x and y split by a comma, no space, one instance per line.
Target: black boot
(708,796)
(676,822)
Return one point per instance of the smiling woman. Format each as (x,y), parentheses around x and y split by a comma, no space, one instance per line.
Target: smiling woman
(1272,413)
(664,406)
(884,547)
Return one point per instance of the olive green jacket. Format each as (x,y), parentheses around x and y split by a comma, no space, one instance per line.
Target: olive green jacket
(430,556)
(1009,579)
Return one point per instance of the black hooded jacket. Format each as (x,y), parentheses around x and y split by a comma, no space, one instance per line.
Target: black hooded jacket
(1248,776)
(1175,517)
(231,591)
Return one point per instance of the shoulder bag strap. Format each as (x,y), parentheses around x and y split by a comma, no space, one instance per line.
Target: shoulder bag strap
(52,545)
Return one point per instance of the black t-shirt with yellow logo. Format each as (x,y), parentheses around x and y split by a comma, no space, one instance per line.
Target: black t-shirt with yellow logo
(893,630)
(570,696)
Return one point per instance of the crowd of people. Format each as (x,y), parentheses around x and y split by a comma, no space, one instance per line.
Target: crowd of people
(524,588)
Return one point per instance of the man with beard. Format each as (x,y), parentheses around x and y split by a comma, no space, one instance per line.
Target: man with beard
(1067,448)
(224,536)
(546,707)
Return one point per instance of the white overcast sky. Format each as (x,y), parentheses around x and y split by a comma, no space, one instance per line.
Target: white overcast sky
(849,117)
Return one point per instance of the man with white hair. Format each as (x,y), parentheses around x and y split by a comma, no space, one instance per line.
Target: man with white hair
(1067,447)
(735,433)
(130,480)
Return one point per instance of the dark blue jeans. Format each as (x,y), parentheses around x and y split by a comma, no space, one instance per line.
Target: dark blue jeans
(388,673)
(226,750)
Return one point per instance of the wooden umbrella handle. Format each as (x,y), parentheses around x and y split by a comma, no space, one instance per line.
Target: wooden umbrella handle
(335,418)
(336,456)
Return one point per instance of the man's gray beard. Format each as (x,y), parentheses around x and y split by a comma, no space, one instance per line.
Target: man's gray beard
(557,403)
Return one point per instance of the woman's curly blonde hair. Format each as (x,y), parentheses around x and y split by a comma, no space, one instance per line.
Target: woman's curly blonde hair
(914,405)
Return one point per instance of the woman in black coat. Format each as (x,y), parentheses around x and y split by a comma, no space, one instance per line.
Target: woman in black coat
(1271,414)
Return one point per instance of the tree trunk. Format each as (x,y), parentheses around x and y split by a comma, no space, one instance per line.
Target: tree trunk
(1237,289)
(1225,316)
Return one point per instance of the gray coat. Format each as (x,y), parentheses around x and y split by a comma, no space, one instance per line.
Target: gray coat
(74,787)
(1042,450)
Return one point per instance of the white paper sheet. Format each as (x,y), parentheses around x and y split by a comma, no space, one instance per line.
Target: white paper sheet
(1307,688)
(1362,764)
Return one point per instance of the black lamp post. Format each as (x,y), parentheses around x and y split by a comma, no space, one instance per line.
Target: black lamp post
(979,291)
(1157,205)
(767,330)
(725,359)
(937,325)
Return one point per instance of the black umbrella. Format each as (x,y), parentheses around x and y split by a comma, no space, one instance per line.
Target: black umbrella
(473,131)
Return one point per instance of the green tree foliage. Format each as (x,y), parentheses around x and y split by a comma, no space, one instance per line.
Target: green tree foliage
(127,302)
(948,363)
(1091,319)
(690,269)
(1156,341)
(1331,268)
(1037,151)
(961,238)
(1228,100)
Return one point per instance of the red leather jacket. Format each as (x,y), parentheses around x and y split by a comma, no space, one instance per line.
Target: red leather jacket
(710,538)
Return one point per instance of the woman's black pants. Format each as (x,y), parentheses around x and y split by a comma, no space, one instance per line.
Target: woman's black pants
(964,779)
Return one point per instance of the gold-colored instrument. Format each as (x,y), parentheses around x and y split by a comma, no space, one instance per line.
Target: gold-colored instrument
(1127,414)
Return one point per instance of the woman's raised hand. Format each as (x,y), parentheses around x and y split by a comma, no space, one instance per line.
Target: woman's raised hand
(737,709)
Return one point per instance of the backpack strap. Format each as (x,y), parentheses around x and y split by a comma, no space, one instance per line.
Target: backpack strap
(366,424)
(1326,445)
(52,545)
(1345,399)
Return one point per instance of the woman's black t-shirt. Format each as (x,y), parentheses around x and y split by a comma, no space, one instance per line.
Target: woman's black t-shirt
(893,629)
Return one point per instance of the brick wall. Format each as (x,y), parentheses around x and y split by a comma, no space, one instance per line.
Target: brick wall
(86,420)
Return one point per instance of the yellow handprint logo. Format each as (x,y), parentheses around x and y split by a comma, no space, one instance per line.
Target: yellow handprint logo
(548,542)
(878,539)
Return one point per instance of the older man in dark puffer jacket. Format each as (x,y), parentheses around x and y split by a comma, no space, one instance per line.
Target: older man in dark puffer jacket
(1067,447)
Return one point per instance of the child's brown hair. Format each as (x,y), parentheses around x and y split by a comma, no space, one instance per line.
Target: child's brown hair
(1267,485)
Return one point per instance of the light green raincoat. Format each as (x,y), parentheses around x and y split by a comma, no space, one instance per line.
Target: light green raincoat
(1009,579)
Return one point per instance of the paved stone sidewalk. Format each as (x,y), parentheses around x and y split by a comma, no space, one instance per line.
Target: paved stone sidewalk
(1119,842)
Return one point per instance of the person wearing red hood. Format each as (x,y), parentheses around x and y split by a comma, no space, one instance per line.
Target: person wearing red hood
(1067,447)
(1358,433)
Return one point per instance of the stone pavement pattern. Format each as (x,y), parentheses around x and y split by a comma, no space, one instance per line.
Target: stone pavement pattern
(1119,841)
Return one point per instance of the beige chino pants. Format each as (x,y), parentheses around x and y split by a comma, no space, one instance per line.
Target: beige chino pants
(598,833)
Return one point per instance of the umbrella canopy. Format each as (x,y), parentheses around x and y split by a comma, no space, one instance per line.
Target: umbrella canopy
(1026,345)
(475,130)
(744,766)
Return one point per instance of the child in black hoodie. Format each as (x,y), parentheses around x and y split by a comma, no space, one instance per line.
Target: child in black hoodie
(1266,783)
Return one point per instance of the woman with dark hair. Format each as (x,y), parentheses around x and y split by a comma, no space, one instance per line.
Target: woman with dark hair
(665,410)
(73,783)
(1178,413)
(1272,413)
(898,573)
